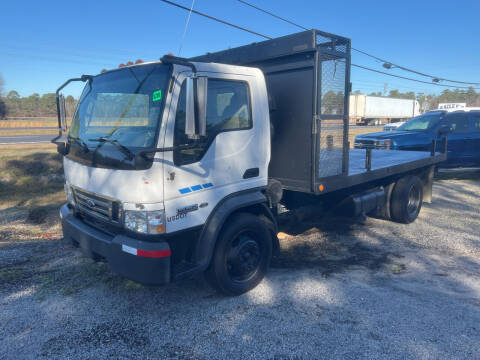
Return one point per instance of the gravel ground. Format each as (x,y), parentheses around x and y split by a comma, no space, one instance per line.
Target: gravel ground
(339,289)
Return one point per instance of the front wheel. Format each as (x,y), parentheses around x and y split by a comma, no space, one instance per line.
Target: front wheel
(242,255)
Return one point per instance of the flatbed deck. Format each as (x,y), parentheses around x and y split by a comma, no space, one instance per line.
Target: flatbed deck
(384,163)
(383,159)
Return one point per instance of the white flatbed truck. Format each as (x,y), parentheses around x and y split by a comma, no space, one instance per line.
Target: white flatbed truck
(181,166)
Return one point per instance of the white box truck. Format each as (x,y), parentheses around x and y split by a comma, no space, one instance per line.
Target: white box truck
(376,110)
(181,166)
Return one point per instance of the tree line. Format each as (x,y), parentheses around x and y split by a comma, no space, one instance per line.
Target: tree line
(34,105)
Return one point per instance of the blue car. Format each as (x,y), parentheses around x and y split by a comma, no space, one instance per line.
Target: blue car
(461,128)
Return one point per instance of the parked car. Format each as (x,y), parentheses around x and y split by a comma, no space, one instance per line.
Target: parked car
(393,126)
(461,127)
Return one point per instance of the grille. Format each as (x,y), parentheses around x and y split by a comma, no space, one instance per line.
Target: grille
(361,144)
(96,206)
(369,144)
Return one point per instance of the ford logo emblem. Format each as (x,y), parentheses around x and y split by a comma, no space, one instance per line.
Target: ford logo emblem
(91,203)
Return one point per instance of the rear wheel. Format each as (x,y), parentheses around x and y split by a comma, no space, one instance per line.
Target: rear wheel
(407,198)
(242,255)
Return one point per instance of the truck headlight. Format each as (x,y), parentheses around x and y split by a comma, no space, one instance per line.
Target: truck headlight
(145,222)
(383,144)
(69,193)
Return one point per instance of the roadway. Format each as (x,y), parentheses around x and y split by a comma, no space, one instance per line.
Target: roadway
(38,139)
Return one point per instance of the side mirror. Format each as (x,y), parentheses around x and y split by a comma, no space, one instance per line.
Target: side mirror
(196,107)
(445,129)
(62,122)
(62,148)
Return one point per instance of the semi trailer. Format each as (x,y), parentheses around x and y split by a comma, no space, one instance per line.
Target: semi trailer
(378,110)
(182,166)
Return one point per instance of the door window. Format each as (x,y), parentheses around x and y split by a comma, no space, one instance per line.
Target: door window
(476,122)
(228,109)
(458,122)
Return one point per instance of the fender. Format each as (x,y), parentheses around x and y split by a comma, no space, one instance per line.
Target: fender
(208,237)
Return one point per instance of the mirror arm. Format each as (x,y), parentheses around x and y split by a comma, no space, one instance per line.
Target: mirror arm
(83,78)
(168,59)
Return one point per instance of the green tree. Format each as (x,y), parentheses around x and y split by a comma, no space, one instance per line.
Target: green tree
(3,108)
(333,103)
(70,104)
(399,95)
(31,104)
(3,105)
(13,103)
(47,105)
(471,97)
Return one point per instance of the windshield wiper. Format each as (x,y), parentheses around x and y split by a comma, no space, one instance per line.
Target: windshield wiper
(126,151)
(80,142)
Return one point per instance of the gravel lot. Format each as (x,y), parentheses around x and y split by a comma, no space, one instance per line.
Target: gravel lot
(339,289)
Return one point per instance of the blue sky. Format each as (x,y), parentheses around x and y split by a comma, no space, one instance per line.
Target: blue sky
(43,43)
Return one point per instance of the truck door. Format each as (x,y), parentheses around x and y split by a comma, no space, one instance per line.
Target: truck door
(232,157)
(473,139)
(457,153)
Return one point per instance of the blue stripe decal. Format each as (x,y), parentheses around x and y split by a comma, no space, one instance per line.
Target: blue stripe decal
(195,188)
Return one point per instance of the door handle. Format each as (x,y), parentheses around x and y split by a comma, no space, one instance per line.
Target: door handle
(251,173)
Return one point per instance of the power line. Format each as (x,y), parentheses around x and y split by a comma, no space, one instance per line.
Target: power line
(411,79)
(411,70)
(216,19)
(186,27)
(268,37)
(386,62)
(272,14)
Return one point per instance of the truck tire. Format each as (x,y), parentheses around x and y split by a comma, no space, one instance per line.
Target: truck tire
(242,255)
(407,198)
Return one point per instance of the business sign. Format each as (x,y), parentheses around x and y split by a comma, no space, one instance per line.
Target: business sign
(447,106)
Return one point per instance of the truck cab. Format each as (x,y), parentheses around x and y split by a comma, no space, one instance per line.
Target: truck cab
(120,180)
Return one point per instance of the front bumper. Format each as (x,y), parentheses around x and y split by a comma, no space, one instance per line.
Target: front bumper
(142,261)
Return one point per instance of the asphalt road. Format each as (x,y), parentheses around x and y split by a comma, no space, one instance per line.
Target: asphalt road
(38,139)
(25,139)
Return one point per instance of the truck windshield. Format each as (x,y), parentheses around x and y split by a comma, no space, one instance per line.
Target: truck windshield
(119,113)
(422,122)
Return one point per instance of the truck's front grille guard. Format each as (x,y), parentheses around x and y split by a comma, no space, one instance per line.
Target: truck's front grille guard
(97,206)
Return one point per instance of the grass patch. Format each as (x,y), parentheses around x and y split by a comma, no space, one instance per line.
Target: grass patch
(28,132)
(35,122)
(32,251)
(31,179)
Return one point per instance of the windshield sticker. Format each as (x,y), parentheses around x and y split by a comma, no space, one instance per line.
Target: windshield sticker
(157,95)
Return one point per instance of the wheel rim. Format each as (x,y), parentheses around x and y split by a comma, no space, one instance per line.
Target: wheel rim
(413,201)
(244,256)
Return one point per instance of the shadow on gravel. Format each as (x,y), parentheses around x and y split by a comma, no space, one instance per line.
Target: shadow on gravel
(328,245)
(458,174)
